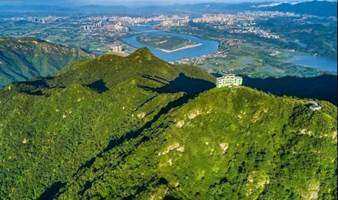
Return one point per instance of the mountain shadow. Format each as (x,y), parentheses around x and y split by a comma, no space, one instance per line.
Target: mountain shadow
(322,87)
(182,83)
(34,87)
(37,87)
(98,86)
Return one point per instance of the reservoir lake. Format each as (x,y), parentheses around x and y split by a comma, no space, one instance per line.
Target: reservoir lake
(318,62)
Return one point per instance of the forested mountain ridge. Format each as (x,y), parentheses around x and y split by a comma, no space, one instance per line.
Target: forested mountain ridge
(140,128)
(23,59)
(318,8)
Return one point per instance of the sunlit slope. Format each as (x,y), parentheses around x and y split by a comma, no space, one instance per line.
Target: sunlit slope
(225,144)
(139,128)
(50,127)
(22,59)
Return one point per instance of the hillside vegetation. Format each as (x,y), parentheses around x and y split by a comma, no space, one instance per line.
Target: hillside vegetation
(22,59)
(318,8)
(140,128)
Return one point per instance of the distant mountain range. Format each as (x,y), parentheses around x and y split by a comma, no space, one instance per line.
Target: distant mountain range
(26,58)
(140,128)
(124,10)
(319,8)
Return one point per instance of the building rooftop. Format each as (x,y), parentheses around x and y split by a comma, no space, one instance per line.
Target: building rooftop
(229,80)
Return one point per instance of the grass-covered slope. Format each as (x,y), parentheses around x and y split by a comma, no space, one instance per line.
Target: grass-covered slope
(22,59)
(139,128)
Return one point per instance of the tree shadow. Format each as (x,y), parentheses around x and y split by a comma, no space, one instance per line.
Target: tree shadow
(53,191)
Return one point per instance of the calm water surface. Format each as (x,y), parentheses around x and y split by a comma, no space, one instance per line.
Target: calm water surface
(322,63)
(206,47)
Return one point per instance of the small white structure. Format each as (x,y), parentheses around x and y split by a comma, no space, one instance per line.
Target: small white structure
(116,48)
(229,80)
(314,106)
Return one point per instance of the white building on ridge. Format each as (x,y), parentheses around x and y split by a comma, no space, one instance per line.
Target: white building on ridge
(229,80)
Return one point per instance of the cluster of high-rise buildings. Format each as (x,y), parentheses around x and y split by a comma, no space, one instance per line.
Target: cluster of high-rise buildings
(40,20)
(231,19)
(256,31)
(121,24)
(222,19)
(242,23)
(175,21)
(91,27)
(113,27)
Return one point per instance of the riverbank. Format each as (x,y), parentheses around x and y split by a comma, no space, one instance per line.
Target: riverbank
(180,49)
(199,46)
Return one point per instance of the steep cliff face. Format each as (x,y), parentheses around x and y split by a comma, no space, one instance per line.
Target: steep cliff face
(140,128)
(22,59)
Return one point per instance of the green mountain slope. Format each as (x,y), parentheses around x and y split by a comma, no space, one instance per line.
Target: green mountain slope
(26,58)
(139,128)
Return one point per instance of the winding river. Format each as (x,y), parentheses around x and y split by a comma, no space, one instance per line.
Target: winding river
(205,46)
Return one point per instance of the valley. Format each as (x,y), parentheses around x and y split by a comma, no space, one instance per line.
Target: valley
(249,40)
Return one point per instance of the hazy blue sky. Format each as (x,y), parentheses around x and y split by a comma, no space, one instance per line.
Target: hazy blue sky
(119,1)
